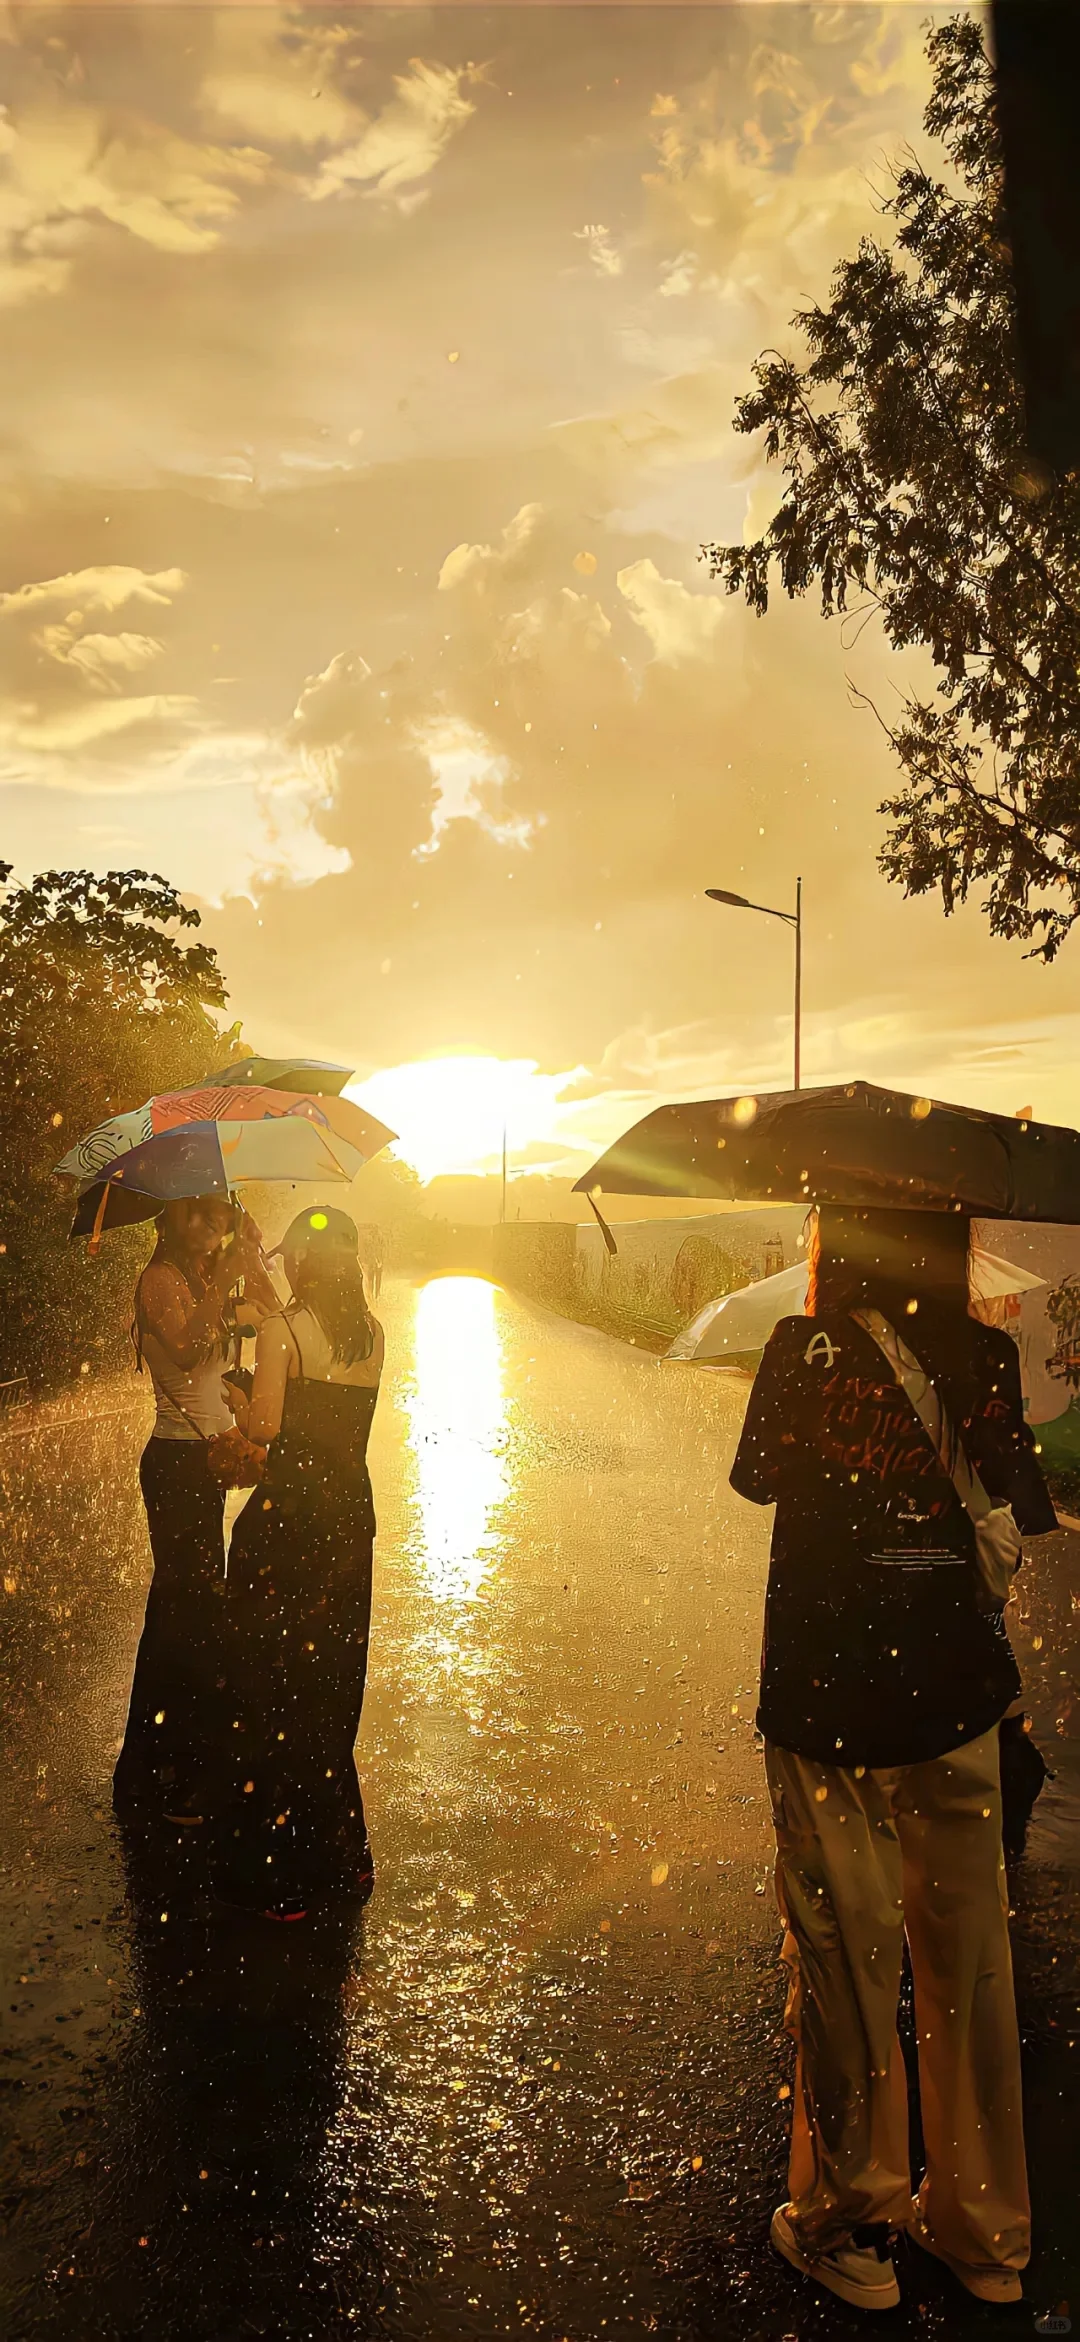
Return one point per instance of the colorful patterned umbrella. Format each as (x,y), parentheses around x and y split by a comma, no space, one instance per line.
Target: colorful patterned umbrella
(213,1158)
(282,1073)
(93,1155)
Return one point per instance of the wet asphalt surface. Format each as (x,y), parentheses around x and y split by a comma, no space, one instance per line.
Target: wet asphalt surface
(539,2086)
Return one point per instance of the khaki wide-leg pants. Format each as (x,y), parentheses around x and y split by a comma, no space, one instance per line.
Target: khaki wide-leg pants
(863,1855)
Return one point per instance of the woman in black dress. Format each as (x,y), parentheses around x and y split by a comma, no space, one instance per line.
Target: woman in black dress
(291,1825)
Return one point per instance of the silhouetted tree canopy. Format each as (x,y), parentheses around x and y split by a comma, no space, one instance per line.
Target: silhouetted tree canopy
(102,1002)
(910,496)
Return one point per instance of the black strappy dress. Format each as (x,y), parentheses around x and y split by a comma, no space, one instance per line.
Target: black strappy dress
(290,1822)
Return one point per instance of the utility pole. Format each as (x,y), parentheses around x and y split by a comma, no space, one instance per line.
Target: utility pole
(502,1208)
(798,983)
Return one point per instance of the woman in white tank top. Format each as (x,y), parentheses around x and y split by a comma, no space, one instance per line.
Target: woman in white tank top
(181,1332)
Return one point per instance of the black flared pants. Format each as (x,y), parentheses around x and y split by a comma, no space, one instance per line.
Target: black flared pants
(175,1693)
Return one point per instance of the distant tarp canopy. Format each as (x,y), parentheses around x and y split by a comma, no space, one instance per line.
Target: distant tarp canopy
(853,1144)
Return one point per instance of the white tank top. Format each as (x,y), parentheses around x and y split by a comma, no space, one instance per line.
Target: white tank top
(190,1402)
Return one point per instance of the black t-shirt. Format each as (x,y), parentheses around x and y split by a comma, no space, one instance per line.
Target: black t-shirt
(876,1651)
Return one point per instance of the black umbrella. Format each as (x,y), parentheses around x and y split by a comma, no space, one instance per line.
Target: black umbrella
(308,1074)
(854,1144)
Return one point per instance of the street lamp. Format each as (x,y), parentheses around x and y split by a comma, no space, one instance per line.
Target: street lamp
(719,894)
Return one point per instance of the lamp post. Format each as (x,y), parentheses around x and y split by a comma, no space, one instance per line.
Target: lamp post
(719,894)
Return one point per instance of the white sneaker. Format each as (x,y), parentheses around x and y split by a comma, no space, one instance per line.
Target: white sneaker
(859,2274)
(986,2282)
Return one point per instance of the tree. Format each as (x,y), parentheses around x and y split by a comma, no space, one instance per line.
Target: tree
(101,1004)
(909,495)
(386,1194)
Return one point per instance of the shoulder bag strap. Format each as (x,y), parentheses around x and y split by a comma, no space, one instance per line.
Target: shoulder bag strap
(918,1388)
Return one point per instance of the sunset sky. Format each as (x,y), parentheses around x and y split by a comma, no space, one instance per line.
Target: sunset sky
(367,391)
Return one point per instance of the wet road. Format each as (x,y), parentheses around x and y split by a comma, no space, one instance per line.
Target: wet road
(540,2086)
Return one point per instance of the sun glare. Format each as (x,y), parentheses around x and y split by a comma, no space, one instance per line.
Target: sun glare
(456,1412)
(450,1112)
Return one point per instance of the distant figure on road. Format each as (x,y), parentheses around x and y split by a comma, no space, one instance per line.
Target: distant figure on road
(370,1247)
(886,1673)
(290,1825)
(182,1332)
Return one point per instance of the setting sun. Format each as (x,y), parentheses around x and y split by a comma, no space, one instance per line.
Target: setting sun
(451,1112)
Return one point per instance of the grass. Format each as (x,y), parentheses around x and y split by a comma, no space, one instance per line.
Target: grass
(644,1331)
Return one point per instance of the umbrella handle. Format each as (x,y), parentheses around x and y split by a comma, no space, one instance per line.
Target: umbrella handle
(94,1245)
(603,1226)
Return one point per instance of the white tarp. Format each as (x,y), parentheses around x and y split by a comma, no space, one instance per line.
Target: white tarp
(1045,1324)
(739,1323)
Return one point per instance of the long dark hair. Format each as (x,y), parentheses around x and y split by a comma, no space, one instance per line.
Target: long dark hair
(893,1261)
(330,1283)
(169,1223)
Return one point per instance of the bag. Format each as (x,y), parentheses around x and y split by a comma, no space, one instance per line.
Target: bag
(997,1538)
(234,1461)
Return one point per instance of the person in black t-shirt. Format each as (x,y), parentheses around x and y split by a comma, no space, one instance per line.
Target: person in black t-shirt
(884,1679)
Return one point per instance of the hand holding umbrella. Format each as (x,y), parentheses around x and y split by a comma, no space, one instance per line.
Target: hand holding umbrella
(249,1270)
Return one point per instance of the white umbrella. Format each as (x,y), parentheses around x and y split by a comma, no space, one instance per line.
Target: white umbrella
(739,1324)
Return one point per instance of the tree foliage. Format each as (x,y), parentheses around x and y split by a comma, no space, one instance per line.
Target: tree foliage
(909,494)
(102,1002)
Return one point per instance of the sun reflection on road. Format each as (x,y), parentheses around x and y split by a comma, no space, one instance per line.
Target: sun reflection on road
(456,1412)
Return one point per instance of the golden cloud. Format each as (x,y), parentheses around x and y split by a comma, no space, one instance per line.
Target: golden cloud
(277,79)
(103,659)
(680,625)
(69,166)
(480,565)
(24,728)
(402,145)
(106,586)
